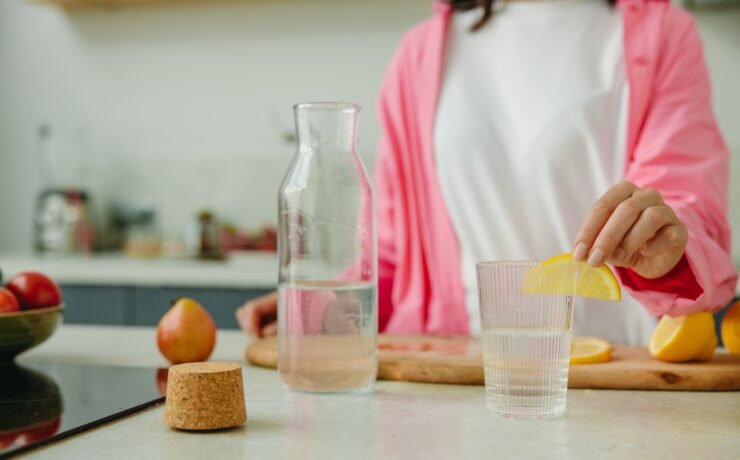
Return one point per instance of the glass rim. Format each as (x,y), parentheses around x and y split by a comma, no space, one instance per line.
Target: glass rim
(499,264)
(329,106)
(506,263)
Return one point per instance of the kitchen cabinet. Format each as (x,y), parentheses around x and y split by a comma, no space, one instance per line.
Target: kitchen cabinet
(96,305)
(150,303)
(111,3)
(144,306)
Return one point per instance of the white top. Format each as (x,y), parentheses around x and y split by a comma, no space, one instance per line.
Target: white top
(531,130)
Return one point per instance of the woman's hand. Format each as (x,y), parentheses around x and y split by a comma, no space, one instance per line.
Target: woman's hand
(633,228)
(258,317)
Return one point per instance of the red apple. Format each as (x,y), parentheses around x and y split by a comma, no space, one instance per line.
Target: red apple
(43,431)
(7,439)
(8,302)
(35,290)
(162,374)
(186,333)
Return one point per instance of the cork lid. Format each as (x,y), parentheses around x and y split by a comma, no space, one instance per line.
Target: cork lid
(205,396)
(204,368)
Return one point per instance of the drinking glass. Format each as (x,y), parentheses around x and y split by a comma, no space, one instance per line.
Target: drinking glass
(526,325)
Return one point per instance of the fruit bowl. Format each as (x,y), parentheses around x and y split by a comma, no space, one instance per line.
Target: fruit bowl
(22,330)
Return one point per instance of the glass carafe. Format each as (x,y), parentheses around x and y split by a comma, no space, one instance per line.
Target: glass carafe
(327,309)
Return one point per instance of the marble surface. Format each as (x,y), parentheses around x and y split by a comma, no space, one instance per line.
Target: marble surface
(399,420)
(251,270)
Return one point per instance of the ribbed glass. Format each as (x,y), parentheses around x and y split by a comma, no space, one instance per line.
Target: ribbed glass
(526,325)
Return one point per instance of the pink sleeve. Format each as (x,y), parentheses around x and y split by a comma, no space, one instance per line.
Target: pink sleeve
(680,153)
(386,182)
(386,245)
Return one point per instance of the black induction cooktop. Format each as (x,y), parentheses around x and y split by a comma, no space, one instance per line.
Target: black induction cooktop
(44,402)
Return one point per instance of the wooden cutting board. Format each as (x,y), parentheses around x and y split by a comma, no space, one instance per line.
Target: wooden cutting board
(457,360)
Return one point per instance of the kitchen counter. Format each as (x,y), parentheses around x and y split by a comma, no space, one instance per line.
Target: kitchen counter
(249,271)
(399,420)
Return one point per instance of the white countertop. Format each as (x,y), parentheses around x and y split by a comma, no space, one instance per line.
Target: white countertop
(252,270)
(399,420)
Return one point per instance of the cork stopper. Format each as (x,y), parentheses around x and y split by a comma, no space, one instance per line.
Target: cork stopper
(205,396)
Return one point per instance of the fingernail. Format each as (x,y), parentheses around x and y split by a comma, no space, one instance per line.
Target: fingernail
(619,254)
(579,253)
(596,257)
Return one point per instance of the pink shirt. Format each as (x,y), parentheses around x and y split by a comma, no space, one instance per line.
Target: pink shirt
(673,146)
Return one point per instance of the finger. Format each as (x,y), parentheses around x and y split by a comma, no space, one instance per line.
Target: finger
(598,215)
(248,320)
(240,318)
(648,225)
(265,309)
(620,222)
(667,238)
(268,330)
(252,314)
(266,303)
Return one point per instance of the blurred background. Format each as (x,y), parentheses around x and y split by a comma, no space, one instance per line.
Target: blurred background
(142,142)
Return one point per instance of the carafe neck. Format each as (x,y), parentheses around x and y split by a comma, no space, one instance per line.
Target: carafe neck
(327,127)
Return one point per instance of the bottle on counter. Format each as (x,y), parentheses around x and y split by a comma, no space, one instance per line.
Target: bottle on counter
(62,220)
(143,235)
(207,244)
(327,309)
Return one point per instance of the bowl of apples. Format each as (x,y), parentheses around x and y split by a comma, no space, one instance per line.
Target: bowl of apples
(30,310)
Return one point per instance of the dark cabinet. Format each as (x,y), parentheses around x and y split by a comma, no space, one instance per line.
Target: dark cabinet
(144,306)
(151,304)
(96,305)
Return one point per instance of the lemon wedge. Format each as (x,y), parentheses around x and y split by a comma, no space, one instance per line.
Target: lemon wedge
(589,350)
(684,338)
(731,329)
(592,282)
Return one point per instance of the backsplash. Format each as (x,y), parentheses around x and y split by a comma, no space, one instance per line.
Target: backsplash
(190,104)
(242,192)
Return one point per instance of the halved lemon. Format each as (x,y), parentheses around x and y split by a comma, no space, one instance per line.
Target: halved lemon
(551,277)
(590,350)
(709,350)
(684,338)
(731,329)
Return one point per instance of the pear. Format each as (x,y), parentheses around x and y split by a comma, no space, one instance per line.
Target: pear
(186,333)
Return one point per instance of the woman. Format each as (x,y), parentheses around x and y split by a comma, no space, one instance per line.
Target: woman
(510,131)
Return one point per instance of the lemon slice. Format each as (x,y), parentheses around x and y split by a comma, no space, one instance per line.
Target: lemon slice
(590,350)
(731,329)
(683,338)
(592,282)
